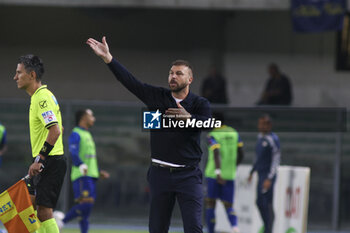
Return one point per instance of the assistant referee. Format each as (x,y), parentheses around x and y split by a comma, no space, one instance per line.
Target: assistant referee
(49,164)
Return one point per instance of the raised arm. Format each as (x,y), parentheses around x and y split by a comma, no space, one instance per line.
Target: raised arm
(146,93)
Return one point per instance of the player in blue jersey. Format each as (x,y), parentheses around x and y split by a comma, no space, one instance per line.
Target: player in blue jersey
(84,172)
(3,141)
(268,156)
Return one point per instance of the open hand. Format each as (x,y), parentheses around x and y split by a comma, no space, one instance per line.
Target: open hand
(100,49)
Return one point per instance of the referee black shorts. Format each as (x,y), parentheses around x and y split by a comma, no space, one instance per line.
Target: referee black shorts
(46,186)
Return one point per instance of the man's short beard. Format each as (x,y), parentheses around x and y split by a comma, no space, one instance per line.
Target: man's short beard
(178,88)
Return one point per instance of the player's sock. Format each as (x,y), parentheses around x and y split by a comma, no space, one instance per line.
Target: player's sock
(84,223)
(50,226)
(210,219)
(74,212)
(59,216)
(231,216)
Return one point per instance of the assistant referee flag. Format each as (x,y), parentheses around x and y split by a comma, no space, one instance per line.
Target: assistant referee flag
(16,210)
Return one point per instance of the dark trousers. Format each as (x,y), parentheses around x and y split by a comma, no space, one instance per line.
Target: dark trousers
(166,186)
(265,203)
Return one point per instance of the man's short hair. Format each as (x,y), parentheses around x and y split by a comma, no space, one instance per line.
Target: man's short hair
(79,115)
(274,66)
(32,63)
(180,62)
(266,116)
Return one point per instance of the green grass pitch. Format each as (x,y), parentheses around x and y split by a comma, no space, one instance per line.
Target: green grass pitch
(102,231)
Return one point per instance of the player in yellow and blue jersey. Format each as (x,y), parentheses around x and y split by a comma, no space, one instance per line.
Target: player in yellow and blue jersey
(85,171)
(225,152)
(3,141)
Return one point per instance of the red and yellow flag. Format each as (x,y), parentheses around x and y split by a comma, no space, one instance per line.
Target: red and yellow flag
(16,210)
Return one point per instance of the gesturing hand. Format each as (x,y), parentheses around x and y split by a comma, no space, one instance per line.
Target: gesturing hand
(100,49)
(180,112)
